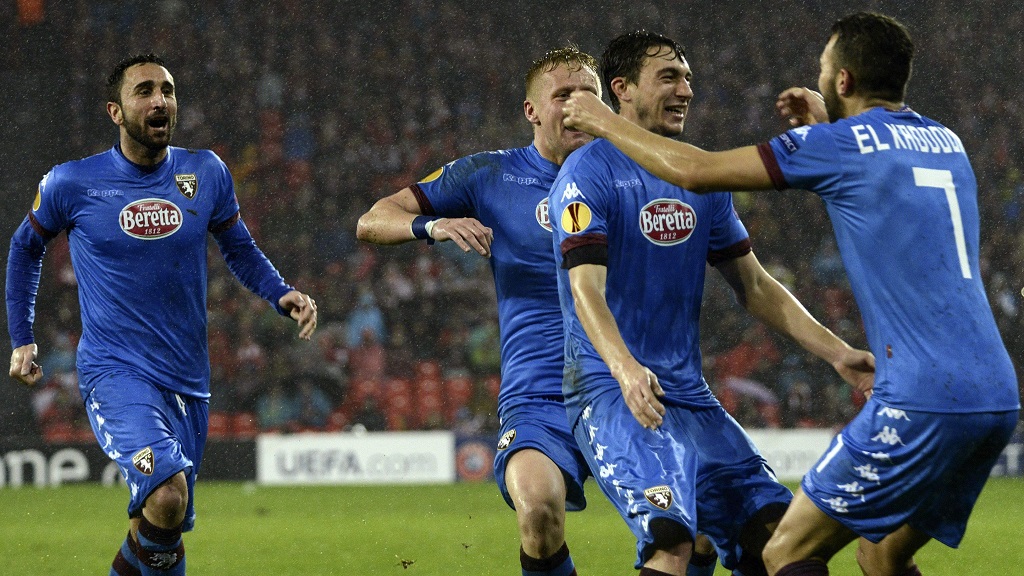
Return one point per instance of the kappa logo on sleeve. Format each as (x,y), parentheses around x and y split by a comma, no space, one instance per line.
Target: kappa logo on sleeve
(572,192)
(576,217)
(143,461)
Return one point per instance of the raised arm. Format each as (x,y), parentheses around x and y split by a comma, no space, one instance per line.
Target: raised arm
(673,161)
(770,302)
(398,218)
(640,386)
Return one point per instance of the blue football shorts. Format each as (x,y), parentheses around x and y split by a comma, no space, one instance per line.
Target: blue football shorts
(542,425)
(151,433)
(699,468)
(890,467)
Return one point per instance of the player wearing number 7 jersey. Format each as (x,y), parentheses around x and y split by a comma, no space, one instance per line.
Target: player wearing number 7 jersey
(902,198)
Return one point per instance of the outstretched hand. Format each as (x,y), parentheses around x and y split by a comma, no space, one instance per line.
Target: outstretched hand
(302,309)
(802,107)
(467,233)
(23,365)
(857,367)
(585,111)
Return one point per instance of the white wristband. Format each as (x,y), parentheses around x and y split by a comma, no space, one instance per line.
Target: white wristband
(430,227)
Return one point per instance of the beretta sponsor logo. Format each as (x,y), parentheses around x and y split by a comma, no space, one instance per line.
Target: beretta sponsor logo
(667,221)
(542,214)
(150,219)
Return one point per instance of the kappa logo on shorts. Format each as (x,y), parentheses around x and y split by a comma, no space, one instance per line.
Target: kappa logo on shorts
(188,185)
(143,461)
(506,439)
(660,496)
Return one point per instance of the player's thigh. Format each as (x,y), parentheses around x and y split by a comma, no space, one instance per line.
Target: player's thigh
(806,532)
(535,439)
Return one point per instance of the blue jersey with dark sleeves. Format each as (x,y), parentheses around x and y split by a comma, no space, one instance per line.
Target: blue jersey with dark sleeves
(904,205)
(659,239)
(138,246)
(507,190)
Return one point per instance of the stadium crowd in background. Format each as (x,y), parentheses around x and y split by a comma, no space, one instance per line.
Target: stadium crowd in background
(318,108)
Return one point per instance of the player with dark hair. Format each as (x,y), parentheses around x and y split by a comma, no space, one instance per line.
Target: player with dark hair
(633,251)
(137,217)
(902,198)
(496,204)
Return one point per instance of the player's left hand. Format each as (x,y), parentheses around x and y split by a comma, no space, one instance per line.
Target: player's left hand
(802,107)
(585,111)
(857,367)
(302,309)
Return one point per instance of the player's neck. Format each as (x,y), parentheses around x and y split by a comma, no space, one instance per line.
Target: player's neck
(854,106)
(141,155)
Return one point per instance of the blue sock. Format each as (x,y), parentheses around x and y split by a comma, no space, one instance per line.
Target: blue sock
(160,550)
(126,563)
(558,564)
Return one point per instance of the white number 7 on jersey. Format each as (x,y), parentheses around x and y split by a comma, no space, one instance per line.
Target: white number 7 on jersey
(928,178)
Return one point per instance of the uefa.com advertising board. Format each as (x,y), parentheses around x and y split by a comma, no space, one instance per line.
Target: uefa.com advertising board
(371,458)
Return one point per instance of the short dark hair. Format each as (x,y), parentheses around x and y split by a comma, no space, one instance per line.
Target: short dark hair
(624,57)
(877,51)
(116,77)
(570,56)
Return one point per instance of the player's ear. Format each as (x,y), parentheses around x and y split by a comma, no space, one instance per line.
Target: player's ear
(115,112)
(531,113)
(620,87)
(845,84)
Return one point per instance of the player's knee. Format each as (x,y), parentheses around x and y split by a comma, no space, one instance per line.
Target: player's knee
(541,515)
(667,534)
(167,504)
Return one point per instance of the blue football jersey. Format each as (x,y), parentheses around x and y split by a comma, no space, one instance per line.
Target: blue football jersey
(138,246)
(903,201)
(659,239)
(507,190)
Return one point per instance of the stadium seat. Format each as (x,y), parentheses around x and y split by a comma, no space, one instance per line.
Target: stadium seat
(219,425)
(243,426)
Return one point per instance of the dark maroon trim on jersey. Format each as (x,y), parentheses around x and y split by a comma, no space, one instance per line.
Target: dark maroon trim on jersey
(741,248)
(585,249)
(425,208)
(582,240)
(764,150)
(586,254)
(225,224)
(46,234)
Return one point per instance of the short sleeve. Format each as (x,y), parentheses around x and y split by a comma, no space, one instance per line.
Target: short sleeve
(450,191)
(803,158)
(726,228)
(578,204)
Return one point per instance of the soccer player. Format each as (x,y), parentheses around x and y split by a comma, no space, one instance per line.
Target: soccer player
(137,217)
(496,203)
(902,197)
(633,251)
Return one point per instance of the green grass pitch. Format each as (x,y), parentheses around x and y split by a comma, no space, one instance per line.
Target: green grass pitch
(420,530)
